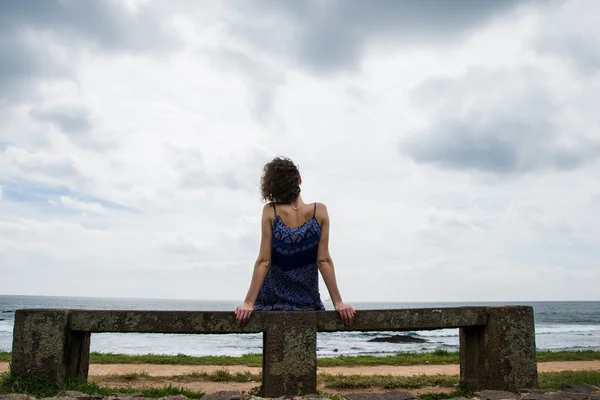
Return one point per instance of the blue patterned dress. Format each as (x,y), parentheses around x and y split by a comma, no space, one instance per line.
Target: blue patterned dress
(292,281)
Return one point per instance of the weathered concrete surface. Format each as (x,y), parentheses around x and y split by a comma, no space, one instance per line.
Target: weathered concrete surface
(406,319)
(78,354)
(497,343)
(164,321)
(390,395)
(584,388)
(40,344)
(45,347)
(496,395)
(501,354)
(290,354)
(224,321)
(225,395)
(16,396)
(79,395)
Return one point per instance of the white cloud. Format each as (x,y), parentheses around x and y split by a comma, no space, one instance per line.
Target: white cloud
(94,208)
(43,166)
(135,171)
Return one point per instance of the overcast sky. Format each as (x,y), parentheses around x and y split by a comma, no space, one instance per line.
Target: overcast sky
(455,143)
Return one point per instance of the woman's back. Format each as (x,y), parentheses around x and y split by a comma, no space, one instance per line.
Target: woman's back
(294,218)
(292,282)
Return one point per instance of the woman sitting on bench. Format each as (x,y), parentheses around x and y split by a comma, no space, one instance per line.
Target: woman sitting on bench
(294,247)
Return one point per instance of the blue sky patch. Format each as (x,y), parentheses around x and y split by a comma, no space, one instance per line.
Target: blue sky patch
(44,195)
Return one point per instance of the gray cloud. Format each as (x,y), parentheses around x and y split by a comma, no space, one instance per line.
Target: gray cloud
(193,173)
(581,52)
(498,146)
(72,121)
(105,23)
(260,76)
(475,131)
(75,122)
(22,64)
(330,35)
(190,166)
(40,41)
(570,33)
(28,27)
(34,165)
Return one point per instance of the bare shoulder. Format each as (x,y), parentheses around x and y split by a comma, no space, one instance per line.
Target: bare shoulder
(321,206)
(321,211)
(268,212)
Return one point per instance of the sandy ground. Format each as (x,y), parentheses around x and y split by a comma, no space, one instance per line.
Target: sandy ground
(101,374)
(212,387)
(170,370)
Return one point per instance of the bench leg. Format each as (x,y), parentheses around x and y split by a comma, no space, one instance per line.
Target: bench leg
(501,354)
(78,363)
(290,354)
(45,349)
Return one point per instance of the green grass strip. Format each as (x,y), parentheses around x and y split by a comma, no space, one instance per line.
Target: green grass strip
(215,376)
(40,389)
(352,382)
(250,360)
(554,379)
(438,357)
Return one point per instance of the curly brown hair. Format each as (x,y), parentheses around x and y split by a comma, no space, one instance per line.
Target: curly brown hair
(280,182)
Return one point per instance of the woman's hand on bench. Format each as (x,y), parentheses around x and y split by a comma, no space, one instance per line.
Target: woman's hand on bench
(243,312)
(346,311)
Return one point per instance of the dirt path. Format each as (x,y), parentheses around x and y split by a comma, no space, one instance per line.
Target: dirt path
(212,387)
(402,370)
(100,374)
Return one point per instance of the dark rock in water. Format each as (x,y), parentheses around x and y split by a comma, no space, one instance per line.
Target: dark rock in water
(335,350)
(381,396)
(399,339)
(495,395)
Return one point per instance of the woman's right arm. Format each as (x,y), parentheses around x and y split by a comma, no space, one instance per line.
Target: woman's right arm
(325,264)
(261,266)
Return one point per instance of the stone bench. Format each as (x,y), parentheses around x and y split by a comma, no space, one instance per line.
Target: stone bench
(497,344)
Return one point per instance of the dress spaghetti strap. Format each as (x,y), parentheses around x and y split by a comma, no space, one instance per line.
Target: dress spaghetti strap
(274,209)
(315,210)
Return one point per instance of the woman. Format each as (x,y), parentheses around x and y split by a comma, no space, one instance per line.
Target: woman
(294,246)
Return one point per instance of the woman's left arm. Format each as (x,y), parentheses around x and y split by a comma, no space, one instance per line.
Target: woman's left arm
(261,266)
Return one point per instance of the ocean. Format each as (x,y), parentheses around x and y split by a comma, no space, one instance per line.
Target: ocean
(559,326)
